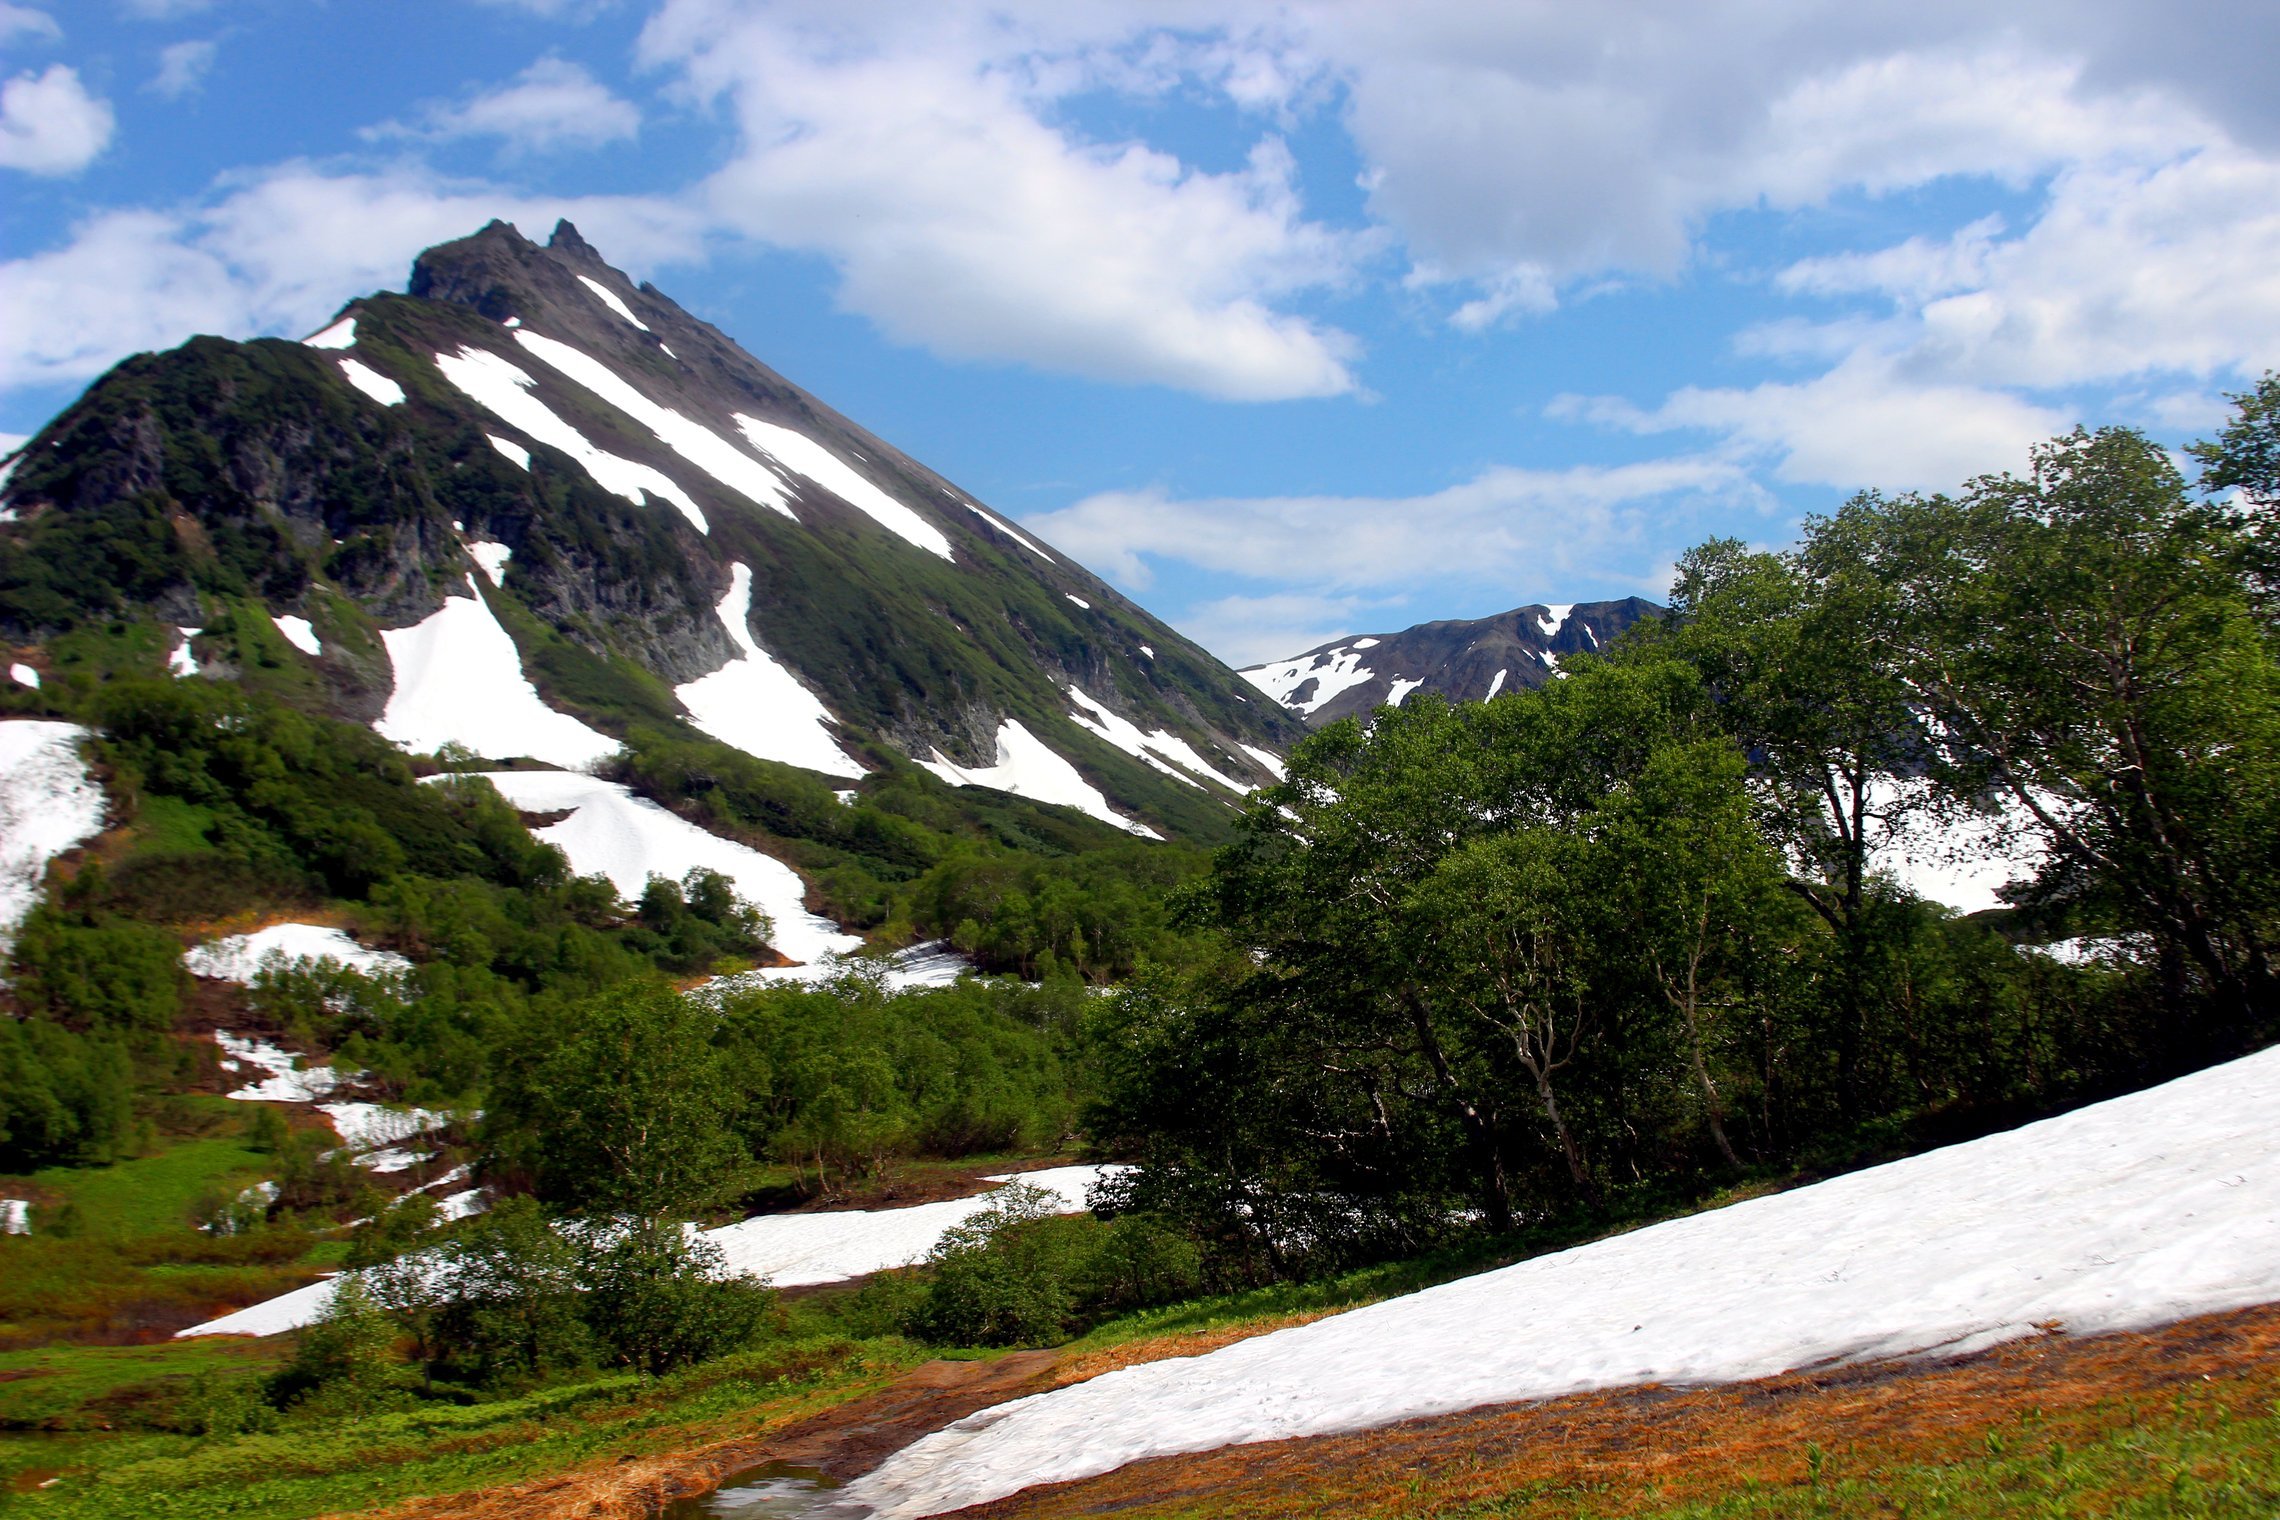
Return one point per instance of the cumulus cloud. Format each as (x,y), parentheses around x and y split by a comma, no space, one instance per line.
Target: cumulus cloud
(1252,630)
(277,254)
(551,105)
(49,124)
(925,160)
(182,68)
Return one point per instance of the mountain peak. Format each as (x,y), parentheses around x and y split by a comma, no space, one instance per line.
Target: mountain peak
(567,240)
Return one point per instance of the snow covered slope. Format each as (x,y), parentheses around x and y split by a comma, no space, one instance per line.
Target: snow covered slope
(48,804)
(2132,1212)
(1465,661)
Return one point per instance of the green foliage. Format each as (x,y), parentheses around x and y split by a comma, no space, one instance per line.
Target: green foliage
(658,1298)
(343,1363)
(63,1096)
(95,970)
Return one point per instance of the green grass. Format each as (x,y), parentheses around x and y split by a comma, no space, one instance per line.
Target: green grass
(152,1194)
(88,1387)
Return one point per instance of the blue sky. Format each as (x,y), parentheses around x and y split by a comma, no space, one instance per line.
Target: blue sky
(1292,319)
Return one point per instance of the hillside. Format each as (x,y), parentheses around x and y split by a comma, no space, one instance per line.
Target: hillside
(530,508)
(1462,660)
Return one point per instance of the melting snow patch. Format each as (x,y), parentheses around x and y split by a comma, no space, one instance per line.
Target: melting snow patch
(24,675)
(693,441)
(1554,618)
(1961,864)
(1026,768)
(460,680)
(610,298)
(298,633)
(511,449)
(1080,601)
(1497,684)
(341,334)
(847,797)
(1332,671)
(370,1126)
(1398,690)
(1150,653)
(504,391)
(629,839)
(491,557)
(669,351)
(1266,757)
(933,964)
(240,956)
(182,662)
(802,455)
(2133,1212)
(287,1081)
(756,704)
(48,804)
(461,1205)
(370,381)
(15,1216)
(998,524)
(1126,736)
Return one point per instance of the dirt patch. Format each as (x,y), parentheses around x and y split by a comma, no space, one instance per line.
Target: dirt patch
(1647,1448)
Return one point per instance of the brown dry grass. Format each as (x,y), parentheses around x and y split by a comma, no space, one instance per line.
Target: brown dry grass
(1637,1450)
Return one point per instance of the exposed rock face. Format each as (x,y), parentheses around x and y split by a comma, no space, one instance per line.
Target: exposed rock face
(1461,660)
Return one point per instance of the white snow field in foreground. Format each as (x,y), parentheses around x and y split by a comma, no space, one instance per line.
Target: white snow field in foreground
(1026,768)
(459,679)
(630,839)
(238,957)
(2128,1213)
(790,1250)
(802,455)
(48,804)
(756,704)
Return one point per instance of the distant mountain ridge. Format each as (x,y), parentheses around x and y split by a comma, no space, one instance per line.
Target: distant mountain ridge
(529,504)
(1462,660)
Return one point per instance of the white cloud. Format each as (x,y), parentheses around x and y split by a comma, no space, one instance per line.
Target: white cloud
(552,104)
(165,10)
(924,159)
(182,68)
(22,21)
(1251,630)
(49,124)
(1504,526)
(275,254)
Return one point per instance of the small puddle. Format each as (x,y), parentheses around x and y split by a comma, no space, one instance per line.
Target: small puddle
(771,1491)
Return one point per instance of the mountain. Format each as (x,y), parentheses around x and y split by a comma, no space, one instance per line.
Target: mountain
(1462,660)
(530,508)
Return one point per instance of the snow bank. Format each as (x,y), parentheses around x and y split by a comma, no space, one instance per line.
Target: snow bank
(370,381)
(48,804)
(491,557)
(756,704)
(511,449)
(504,391)
(238,957)
(1080,601)
(1554,618)
(1126,736)
(1399,689)
(1961,864)
(693,441)
(933,964)
(2132,1212)
(1332,671)
(299,634)
(629,839)
(24,675)
(1000,525)
(610,298)
(285,1080)
(791,1250)
(459,680)
(1266,757)
(802,455)
(182,662)
(373,1126)
(341,334)
(1026,768)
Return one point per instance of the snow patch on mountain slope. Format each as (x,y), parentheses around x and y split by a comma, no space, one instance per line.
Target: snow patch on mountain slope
(492,558)
(1554,618)
(2132,1212)
(460,680)
(693,441)
(24,675)
(48,804)
(299,634)
(1399,689)
(511,449)
(932,964)
(370,381)
(1332,671)
(341,334)
(1266,757)
(1026,768)
(238,957)
(1497,684)
(610,298)
(802,455)
(756,704)
(504,391)
(284,1079)
(374,1126)
(1080,601)
(181,661)
(629,839)
(1126,736)
(1010,532)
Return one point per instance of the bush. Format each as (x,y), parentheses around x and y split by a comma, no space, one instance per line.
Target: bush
(1008,1276)
(658,1298)
(63,1096)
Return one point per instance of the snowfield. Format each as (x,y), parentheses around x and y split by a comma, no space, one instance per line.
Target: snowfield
(1151,749)
(790,1250)
(1011,533)
(2133,1212)
(284,1078)
(1332,671)
(370,381)
(756,704)
(612,832)
(1026,768)
(341,334)
(238,957)
(48,804)
(299,634)
(459,679)
(612,300)
(802,455)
